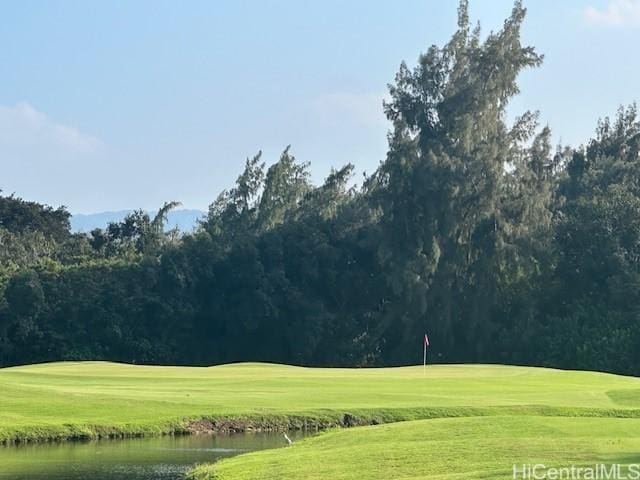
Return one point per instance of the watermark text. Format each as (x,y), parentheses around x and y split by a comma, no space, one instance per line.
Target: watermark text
(598,471)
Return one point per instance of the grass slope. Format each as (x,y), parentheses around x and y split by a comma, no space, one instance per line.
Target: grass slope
(62,400)
(443,449)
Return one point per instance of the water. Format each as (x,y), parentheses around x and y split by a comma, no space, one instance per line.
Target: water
(161,458)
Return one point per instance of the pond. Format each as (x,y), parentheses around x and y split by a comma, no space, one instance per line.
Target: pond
(157,458)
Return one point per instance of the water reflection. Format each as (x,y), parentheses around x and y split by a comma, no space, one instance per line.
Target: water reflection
(160,458)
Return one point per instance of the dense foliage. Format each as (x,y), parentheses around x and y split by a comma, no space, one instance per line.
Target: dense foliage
(473,229)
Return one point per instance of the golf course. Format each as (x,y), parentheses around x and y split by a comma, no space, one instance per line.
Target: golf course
(320,240)
(448,421)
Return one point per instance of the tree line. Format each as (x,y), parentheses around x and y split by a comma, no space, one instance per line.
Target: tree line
(474,229)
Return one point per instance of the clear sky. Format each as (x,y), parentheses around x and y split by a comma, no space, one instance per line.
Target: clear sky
(108,105)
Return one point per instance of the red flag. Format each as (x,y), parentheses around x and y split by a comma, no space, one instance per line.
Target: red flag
(426,340)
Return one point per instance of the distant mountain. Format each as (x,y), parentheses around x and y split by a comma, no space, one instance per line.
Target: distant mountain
(184,219)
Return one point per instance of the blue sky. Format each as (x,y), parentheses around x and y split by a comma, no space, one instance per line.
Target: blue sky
(124,104)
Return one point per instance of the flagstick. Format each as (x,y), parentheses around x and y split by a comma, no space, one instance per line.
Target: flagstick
(424,361)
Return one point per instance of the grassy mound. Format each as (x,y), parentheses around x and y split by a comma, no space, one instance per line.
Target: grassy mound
(90,399)
(443,449)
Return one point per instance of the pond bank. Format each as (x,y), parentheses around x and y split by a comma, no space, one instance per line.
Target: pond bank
(305,422)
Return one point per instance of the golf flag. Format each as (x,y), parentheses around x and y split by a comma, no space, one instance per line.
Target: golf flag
(426,340)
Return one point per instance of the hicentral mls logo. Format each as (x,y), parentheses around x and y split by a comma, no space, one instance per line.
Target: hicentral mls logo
(599,471)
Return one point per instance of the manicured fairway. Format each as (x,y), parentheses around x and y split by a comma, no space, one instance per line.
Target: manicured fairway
(443,449)
(66,399)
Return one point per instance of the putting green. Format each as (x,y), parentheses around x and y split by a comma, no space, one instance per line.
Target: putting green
(60,400)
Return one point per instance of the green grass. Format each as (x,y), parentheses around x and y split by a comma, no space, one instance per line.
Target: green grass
(534,406)
(443,449)
(90,398)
